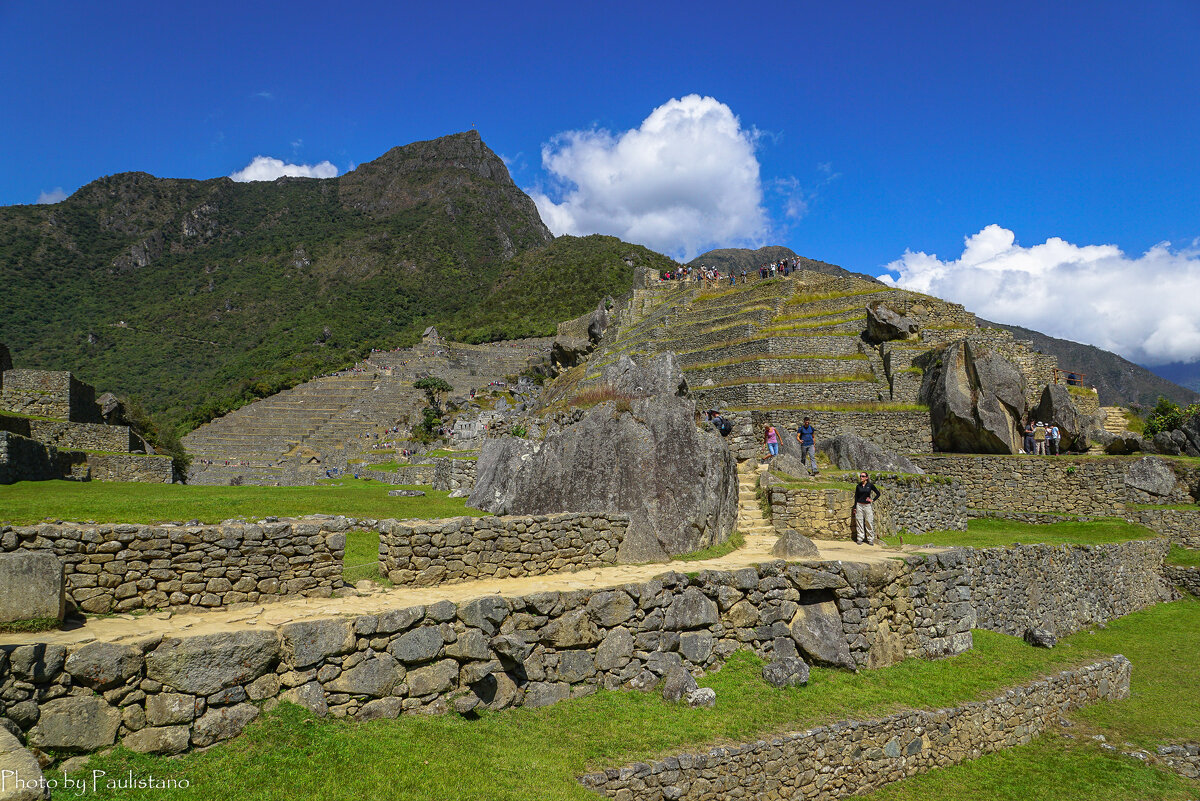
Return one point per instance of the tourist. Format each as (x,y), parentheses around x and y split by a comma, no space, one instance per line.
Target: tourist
(806,435)
(743,275)
(1052,438)
(1039,438)
(1027,444)
(772,440)
(864,515)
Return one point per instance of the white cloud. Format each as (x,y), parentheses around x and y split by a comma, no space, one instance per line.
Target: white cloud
(1143,308)
(55,195)
(686,180)
(265,168)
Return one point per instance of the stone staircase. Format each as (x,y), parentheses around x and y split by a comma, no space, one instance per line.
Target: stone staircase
(757,530)
(1114,419)
(1114,423)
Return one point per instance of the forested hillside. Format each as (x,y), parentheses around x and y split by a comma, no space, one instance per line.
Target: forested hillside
(193,296)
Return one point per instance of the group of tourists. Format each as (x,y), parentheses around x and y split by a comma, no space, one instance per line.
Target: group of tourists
(1041,439)
(710,276)
(865,491)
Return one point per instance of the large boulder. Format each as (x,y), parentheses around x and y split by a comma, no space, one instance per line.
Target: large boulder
(817,630)
(1118,444)
(76,723)
(1191,432)
(656,377)
(642,455)
(20,769)
(1056,407)
(885,324)
(31,586)
(976,398)
(207,663)
(1151,475)
(852,452)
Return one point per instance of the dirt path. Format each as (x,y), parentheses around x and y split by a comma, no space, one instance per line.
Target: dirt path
(132,627)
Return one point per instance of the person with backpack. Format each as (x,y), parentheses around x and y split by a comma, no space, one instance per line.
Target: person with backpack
(806,435)
(1052,437)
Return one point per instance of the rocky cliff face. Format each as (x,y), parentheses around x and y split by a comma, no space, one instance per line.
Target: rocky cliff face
(976,399)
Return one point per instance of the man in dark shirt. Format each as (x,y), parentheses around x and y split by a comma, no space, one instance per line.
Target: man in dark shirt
(806,436)
(864,514)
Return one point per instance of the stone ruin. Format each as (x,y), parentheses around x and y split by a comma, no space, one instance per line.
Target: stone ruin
(52,426)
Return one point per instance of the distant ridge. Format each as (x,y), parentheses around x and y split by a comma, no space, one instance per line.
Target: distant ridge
(1119,381)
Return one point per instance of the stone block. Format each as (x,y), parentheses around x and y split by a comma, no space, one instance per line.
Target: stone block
(76,723)
(31,586)
(23,779)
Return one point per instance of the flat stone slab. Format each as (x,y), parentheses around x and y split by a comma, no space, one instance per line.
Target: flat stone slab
(31,587)
(402,493)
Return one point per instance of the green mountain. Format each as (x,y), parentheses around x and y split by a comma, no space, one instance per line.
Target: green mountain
(556,282)
(194,296)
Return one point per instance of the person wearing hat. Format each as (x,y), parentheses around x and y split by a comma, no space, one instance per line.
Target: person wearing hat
(1039,438)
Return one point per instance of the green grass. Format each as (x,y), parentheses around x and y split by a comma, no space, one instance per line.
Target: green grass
(813,297)
(855,357)
(442,452)
(1175,507)
(383,467)
(1052,768)
(793,379)
(990,532)
(361,560)
(1182,557)
(735,541)
(29,626)
(1164,707)
(29,502)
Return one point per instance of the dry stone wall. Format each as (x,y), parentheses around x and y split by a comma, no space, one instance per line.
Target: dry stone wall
(856,757)
(902,432)
(451,474)
(166,695)
(1181,526)
(1063,587)
(1059,485)
(24,459)
(130,467)
(82,436)
(44,393)
(906,504)
(1186,577)
(427,552)
(784,395)
(122,567)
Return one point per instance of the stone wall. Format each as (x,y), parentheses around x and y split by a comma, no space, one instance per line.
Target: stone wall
(1187,578)
(854,758)
(24,459)
(82,436)
(1183,759)
(902,432)
(168,695)
(1062,588)
(1059,485)
(451,474)
(409,474)
(1181,526)
(122,567)
(428,552)
(785,395)
(130,467)
(45,393)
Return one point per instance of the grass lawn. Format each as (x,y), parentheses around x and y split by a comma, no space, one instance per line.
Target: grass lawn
(1164,707)
(362,558)
(29,502)
(1182,557)
(736,540)
(988,532)
(538,753)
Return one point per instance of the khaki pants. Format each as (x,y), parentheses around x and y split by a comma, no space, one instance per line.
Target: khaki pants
(864,523)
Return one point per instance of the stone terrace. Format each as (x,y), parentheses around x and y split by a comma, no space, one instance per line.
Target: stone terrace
(340,416)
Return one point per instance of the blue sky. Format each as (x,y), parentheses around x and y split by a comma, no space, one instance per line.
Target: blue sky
(861,130)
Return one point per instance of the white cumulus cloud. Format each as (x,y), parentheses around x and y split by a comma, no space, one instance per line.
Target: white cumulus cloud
(265,168)
(55,195)
(1143,308)
(685,180)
